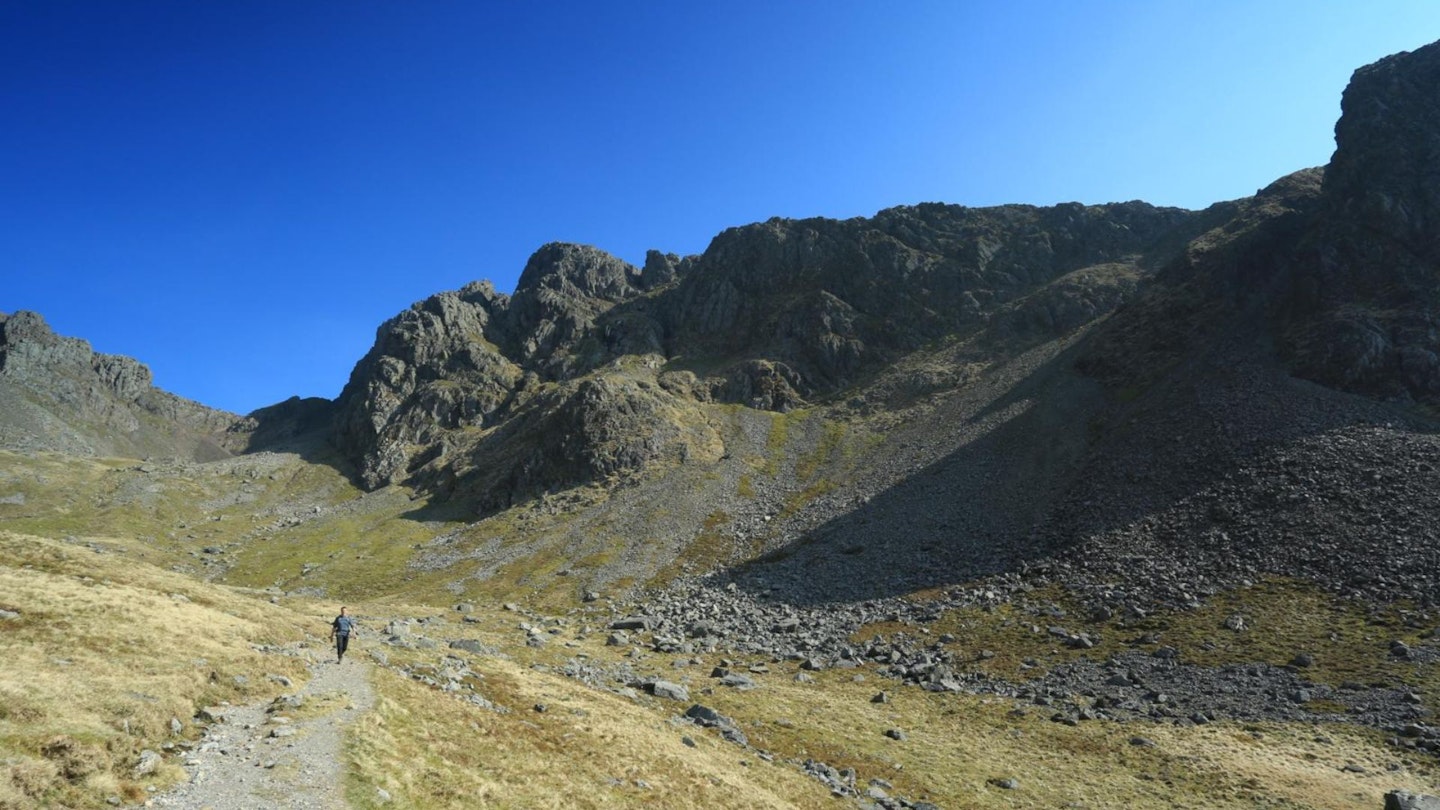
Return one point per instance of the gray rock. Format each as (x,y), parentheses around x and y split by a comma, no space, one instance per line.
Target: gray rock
(149,762)
(633,623)
(738,681)
(1405,800)
(473,646)
(667,689)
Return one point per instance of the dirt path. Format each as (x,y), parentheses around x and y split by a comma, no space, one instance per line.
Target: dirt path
(242,765)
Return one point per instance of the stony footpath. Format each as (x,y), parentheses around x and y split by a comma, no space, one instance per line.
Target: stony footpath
(270,754)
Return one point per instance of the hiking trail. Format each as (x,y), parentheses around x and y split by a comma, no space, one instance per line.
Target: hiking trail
(255,758)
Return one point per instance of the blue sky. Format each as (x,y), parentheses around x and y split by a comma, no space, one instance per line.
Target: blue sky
(238,194)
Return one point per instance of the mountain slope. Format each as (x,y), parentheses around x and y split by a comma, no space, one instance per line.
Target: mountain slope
(57,394)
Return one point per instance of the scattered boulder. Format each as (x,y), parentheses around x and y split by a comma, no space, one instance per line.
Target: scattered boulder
(633,623)
(667,690)
(148,764)
(1405,800)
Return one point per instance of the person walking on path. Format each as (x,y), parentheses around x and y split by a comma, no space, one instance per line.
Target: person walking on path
(341,630)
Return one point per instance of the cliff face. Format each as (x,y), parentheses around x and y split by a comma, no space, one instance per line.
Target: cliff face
(772,316)
(1363,314)
(61,395)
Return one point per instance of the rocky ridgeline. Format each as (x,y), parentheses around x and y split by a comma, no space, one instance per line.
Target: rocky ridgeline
(593,367)
(60,395)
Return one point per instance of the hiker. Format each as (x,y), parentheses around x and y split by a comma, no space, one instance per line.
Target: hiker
(341,630)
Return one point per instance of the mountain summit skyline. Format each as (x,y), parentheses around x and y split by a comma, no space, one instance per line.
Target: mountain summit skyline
(180,176)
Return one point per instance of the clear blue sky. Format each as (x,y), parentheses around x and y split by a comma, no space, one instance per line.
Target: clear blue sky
(239,193)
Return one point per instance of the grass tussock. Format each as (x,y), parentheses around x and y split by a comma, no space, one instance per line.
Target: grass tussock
(104,653)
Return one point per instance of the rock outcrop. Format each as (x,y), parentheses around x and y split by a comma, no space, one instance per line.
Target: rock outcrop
(58,394)
(773,316)
(1362,312)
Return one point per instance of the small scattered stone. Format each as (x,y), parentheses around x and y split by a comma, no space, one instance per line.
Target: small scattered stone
(149,762)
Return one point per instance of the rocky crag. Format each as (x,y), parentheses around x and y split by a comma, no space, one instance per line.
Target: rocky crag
(595,369)
(57,394)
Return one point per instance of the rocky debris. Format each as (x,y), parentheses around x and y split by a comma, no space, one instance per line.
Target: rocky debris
(707,717)
(841,781)
(1419,737)
(1150,682)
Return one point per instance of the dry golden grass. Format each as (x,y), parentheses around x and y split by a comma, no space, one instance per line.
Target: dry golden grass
(589,749)
(106,650)
(956,745)
(435,751)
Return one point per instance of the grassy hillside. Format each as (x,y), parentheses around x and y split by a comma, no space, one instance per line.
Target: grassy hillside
(103,649)
(103,653)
